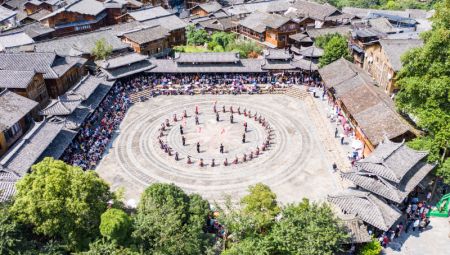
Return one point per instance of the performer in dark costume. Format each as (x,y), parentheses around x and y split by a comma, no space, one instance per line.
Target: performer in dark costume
(196,120)
(185,114)
(183,140)
(244,158)
(201,162)
(223,109)
(231,118)
(231,109)
(213,163)
(176,156)
(221,148)
(175,118)
(245,127)
(198,147)
(225,162)
(239,110)
(217,117)
(243,138)
(181,130)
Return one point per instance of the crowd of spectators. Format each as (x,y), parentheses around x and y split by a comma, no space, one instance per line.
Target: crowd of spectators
(88,147)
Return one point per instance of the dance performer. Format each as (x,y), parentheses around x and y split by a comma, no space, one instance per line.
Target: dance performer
(198,147)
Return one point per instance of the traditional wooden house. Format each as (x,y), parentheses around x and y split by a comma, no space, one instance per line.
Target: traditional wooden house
(392,171)
(157,16)
(272,30)
(383,60)
(149,41)
(125,65)
(364,107)
(15,118)
(205,9)
(60,73)
(8,18)
(192,3)
(276,60)
(82,16)
(226,24)
(368,207)
(29,84)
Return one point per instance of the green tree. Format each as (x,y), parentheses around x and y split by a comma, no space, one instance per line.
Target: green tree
(168,221)
(424,90)
(196,36)
(102,49)
(335,48)
(62,202)
(261,205)
(102,247)
(307,228)
(303,228)
(372,248)
(222,38)
(321,41)
(115,225)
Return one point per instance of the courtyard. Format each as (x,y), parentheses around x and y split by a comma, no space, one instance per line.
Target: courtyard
(296,164)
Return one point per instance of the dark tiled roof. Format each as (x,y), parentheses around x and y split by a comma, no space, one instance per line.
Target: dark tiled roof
(50,64)
(356,228)
(136,64)
(25,151)
(277,54)
(300,37)
(243,66)
(207,57)
(277,65)
(77,45)
(371,108)
(8,181)
(394,49)
(149,13)
(119,61)
(314,10)
(16,79)
(366,207)
(391,161)
(316,32)
(66,104)
(14,40)
(311,51)
(260,21)
(210,7)
(220,24)
(389,190)
(13,108)
(147,35)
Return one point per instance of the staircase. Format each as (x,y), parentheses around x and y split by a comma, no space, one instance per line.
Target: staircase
(297,92)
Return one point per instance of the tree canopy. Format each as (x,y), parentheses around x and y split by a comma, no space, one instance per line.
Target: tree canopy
(261,226)
(102,49)
(196,36)
(61,201)
(382,4)
(168,221)
(115,225)
(335,47)
(424,90)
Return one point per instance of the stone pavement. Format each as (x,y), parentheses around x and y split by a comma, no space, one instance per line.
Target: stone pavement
(434,240)
(297,165)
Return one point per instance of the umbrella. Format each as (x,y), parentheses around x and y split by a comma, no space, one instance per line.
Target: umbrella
(357,144)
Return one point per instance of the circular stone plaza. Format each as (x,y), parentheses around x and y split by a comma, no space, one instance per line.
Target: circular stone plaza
(286,146)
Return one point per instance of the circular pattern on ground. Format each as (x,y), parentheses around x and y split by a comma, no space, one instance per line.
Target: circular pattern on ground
(138,152)
(211,134)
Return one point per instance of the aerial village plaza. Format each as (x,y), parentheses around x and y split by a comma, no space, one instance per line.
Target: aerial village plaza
(224,127)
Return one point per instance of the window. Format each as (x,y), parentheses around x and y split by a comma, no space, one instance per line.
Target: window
(12,131)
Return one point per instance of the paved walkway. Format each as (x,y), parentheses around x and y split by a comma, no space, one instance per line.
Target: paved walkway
(297,165)
(434,240)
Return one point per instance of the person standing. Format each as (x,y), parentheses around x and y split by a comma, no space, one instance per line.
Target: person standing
(198,147)
(336,132)
(217,117)
(342,139)
(181,130)
(231,118)
(243,138)
(245,127)
(183,140)
(221,148)
(196,120)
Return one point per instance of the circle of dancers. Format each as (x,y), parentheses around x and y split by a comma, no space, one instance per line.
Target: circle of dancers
(255,152)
